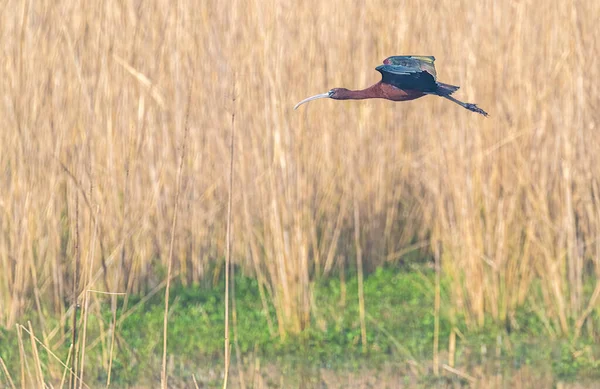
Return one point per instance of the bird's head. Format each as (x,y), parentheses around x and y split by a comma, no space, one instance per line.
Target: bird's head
(335,93)
(338,93)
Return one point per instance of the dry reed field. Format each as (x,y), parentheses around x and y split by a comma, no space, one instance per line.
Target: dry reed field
(101,101)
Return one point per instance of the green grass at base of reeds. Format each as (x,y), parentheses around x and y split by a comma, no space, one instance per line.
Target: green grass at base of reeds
(400,330)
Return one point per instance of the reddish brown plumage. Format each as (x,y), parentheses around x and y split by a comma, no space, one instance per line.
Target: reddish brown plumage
(404,77)
(378,91)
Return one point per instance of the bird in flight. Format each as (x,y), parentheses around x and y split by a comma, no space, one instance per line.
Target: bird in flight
(404,77)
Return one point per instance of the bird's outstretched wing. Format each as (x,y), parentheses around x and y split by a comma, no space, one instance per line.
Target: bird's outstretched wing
(423,62)
(408,78)
(412,72)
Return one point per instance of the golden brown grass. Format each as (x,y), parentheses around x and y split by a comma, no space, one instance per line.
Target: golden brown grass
(93,110)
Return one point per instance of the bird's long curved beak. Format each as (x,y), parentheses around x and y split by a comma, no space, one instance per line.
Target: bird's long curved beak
(306,100)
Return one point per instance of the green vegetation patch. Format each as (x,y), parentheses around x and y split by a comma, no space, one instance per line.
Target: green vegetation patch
(399,322)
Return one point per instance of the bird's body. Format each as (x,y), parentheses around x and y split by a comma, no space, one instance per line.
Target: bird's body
(380,90)
(403,78)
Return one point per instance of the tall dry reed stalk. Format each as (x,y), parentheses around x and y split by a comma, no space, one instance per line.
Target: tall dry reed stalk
(91,110)
(229,240)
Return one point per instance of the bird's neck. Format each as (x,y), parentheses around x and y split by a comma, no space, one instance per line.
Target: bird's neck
(374,91)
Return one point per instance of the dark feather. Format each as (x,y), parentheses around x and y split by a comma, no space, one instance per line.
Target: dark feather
(446,89)
(408,77)
(423,62)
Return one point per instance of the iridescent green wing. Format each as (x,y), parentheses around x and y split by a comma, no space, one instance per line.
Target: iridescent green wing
(422,62)
(406,72)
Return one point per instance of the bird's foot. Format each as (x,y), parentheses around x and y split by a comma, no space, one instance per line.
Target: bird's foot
(475,108)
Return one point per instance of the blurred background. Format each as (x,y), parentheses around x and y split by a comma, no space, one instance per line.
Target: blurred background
(500,216)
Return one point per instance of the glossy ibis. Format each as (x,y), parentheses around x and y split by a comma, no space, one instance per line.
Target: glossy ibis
(404,77)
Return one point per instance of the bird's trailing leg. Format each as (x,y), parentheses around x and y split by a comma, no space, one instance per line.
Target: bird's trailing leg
(469,106)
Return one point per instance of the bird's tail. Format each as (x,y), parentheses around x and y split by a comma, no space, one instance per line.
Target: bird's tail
(445,89)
